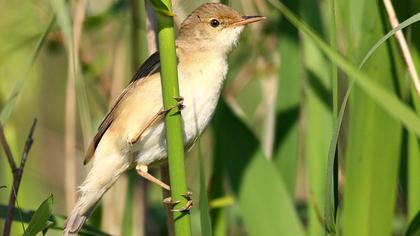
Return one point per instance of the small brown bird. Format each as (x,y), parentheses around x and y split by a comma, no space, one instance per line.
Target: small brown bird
(132,133)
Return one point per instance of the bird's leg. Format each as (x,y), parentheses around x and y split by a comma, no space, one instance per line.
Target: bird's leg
(152,121)
(142,170)
(187,207)
(156,117)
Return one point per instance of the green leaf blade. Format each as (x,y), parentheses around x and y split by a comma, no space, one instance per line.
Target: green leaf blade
(39,220)
(289,84)
(364,193)
(414,226)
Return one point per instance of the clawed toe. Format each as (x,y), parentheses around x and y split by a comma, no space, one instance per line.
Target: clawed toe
(180,102)
(179,98)
(187,207)
(168,201)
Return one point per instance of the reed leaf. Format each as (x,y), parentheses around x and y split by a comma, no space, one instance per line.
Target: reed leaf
(286,145)
(388,102)
(39,220)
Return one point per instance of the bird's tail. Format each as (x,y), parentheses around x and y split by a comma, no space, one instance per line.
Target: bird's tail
(102,176)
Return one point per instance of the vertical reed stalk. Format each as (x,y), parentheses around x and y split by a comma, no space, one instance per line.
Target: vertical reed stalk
(174,132)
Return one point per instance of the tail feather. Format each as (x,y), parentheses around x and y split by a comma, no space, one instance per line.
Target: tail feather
(74,224)
(101,177)
(81,212)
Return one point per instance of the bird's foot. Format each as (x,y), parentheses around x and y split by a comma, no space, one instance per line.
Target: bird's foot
(187,207)
(179,104)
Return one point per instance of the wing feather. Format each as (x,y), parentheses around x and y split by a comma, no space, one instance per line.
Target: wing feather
(149,67)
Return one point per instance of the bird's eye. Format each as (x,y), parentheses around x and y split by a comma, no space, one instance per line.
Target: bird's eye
(214,23)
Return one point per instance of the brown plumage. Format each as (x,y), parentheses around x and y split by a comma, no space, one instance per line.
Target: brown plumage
(149,67)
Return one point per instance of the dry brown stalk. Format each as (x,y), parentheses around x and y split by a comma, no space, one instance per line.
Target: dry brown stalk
(403,45)
(17,172)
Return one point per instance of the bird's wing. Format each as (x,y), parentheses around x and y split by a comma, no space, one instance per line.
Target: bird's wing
(149,67)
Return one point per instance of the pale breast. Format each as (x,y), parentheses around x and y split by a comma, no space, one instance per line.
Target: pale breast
(200,86)
(201,98)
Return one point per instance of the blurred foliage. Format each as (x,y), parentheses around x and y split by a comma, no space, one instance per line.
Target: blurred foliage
(265,159)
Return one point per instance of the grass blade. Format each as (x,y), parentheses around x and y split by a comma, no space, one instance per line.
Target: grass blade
(401,26)
(414,227)
(39,220)
(371,183)
(57,221)
(330,209)
(392,105)
(331,201)
(413,167)
(343,106)
(319,120)
(413,176)
(388,102)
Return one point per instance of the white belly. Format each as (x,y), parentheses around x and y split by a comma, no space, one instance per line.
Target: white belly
(201,95)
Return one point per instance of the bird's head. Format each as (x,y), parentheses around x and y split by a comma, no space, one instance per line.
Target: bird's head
(213,26)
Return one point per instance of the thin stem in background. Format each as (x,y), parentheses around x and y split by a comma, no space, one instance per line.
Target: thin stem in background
(17,173)
(81,95)
(113,215)
(164,173)
(7,150)
(331,200)
(70,118)
(139,51)
(79,17)
(70,137)
(135,25)
(403,45)
(118,66)
(151,28)
(148,45)
(136,194)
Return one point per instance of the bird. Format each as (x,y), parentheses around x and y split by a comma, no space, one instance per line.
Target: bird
(132,133)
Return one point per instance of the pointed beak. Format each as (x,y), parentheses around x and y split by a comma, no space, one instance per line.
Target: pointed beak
(248,20)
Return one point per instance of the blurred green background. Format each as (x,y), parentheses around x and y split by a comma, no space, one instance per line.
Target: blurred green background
(275,160)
